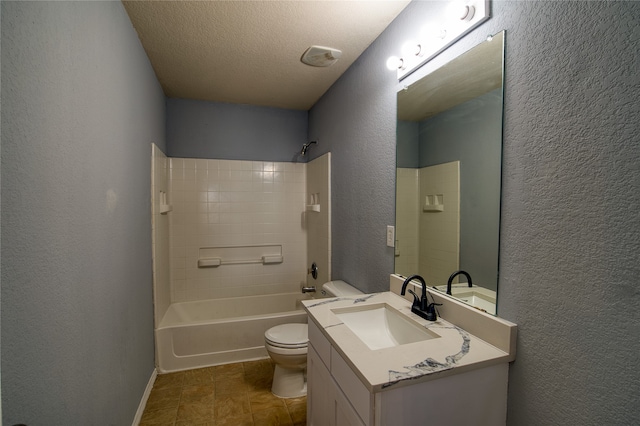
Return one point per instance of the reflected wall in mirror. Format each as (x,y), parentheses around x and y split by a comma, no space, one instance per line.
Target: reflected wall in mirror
(448,176)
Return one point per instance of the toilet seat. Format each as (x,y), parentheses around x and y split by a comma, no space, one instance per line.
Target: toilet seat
(288,336)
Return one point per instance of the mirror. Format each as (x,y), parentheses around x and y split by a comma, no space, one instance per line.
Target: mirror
(448,159)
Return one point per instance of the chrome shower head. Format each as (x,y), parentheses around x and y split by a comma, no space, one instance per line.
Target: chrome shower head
(305,147)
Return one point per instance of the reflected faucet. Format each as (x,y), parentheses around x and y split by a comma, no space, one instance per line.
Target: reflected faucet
(455,274)
(421,306)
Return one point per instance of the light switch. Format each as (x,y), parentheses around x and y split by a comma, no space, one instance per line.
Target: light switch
(391,236)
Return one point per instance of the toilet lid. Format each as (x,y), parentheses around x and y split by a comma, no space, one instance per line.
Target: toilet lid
(288,335)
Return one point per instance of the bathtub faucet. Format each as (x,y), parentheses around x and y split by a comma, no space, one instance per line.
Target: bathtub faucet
(311,289)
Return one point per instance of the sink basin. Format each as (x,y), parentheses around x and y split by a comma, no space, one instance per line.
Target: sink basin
(475,296)
(477,300)
(382,326)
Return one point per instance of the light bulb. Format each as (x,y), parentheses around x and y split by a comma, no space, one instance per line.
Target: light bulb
(411,48)
(433,31)
(394,63)
(460,11)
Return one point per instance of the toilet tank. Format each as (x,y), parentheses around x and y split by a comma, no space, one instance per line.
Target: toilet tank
(339,288)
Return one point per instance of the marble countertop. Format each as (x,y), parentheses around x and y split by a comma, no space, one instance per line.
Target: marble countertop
(453,351)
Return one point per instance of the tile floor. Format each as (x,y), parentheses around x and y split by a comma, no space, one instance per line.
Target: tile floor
(233,394)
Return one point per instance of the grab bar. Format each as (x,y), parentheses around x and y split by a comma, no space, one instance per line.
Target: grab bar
(216,261)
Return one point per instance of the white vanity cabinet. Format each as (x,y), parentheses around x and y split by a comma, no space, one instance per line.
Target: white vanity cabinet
(336,396)
(326,403)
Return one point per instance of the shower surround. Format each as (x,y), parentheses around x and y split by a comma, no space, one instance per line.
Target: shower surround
(227,203)
(233,207)
(427,238)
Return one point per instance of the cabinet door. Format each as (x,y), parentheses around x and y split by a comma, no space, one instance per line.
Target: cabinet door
(345,414)
(320,392)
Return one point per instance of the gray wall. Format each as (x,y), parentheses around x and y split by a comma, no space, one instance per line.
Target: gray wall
(570,232)
(472,133)
(81,106)
(408,144)
(200,129)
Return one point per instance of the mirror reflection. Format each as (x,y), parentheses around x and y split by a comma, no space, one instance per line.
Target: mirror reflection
(449,151)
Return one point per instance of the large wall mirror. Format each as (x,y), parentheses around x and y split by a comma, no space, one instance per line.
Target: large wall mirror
(449,160)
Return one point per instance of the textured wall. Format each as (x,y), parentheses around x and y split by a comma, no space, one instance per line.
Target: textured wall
(570,254)
(356,121)
(200,129)
(80,107)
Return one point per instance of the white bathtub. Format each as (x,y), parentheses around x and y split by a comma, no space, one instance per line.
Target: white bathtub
(220,331)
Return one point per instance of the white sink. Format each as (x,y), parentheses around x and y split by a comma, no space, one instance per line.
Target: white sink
(382,326)
(478,300)
(475,296)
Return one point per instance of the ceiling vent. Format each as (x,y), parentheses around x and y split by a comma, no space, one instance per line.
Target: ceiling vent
(319,56)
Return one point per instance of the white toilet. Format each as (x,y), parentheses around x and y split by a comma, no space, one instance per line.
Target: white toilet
(287,347)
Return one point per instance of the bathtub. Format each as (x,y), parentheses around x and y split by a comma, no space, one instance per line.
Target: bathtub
(220,331)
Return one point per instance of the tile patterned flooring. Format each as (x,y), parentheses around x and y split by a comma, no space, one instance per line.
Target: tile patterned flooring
(233,394)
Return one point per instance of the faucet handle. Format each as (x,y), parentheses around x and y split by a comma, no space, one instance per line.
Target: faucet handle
(432,313)
(416,299)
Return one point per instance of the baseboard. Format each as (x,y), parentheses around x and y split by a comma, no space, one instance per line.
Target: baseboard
(145,398)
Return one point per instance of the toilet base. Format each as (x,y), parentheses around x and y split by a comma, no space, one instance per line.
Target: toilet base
(289,382)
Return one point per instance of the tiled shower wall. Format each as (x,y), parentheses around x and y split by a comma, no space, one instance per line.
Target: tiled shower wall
(228,203)
(440,231)
(428,243)
(318,223)
(406,250)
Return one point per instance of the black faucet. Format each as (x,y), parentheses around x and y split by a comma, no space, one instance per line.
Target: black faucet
(455,274)
(421,306)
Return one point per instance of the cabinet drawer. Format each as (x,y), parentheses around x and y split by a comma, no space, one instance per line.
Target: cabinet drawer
(352,387)
(320,343)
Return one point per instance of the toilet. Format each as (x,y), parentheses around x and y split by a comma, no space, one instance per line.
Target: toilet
(286,344)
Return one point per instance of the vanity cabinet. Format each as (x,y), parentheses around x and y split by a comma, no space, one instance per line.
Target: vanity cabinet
(326,403)
(337,396)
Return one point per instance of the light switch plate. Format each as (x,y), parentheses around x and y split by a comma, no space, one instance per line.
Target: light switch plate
(391,236)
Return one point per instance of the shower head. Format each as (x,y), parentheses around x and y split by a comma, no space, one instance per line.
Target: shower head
(306,146)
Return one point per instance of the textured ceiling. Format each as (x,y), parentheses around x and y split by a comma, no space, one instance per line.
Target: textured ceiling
(248,52)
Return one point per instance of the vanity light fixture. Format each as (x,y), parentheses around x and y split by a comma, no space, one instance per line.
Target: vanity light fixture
(456,19)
